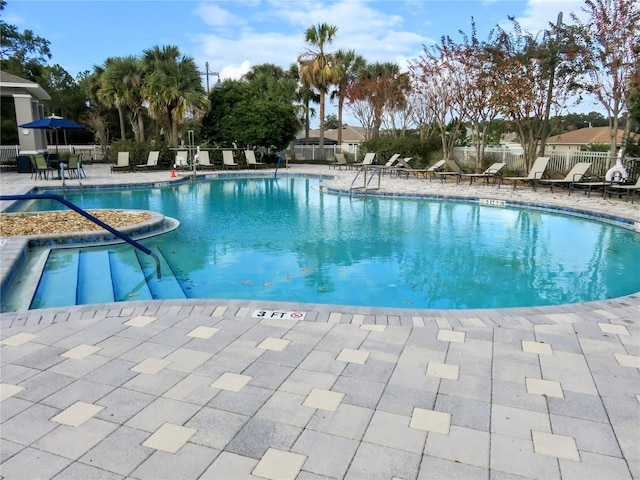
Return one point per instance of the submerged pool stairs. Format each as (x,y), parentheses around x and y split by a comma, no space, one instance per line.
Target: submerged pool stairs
(75,276)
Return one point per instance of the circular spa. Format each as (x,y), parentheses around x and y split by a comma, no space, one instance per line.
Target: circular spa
(285,239)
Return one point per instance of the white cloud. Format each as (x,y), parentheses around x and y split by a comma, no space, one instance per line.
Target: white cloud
(540,14)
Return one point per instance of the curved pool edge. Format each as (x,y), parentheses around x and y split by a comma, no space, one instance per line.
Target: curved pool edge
(630,301)
(624,309)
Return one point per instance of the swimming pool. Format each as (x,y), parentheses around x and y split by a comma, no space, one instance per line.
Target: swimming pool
(284,239)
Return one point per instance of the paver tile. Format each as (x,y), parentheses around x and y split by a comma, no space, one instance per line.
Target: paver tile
(151,366)
(615,329)
(231,381)
(275,344)
(431,421)
(451,336)
(547,388)
(170,438)
(203,332)
(353,356)
(552,445)
(140,321)
(81,351)
(442,370)
(279,465)
(536,347)
(464,445)
(324,399)
(7,390)
(77,414)
(18,339)
(632,361)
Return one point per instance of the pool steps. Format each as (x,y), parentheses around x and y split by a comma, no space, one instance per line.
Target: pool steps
(77,277)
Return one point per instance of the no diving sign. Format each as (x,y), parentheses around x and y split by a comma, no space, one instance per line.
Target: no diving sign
(280,315)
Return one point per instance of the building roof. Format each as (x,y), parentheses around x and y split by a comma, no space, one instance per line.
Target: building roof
(13,85)
(349,134)
(584,136)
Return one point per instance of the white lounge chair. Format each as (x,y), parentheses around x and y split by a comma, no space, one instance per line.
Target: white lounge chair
(367,160)
(340,162)
(492,172)
(152,162)
(537,172)
(204,161)
(122,163)
(250,157)
(576,174)
(182,159)
(452,170)
(629,190)
(228,161)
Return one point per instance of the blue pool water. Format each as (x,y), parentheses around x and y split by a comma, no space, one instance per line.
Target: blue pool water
(283,239)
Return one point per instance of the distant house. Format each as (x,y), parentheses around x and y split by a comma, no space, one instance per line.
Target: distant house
(577,140)
(352,137)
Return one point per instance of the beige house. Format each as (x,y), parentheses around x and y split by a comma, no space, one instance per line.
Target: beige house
(352,137)
(577,140)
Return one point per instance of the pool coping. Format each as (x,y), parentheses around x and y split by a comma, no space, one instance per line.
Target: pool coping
(19,248)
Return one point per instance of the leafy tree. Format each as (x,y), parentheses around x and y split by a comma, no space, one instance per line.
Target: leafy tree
(21,53)
(239,116)
(351,65)
(318,68)
(172,87)
(611,55)
(380,91)
(331,122)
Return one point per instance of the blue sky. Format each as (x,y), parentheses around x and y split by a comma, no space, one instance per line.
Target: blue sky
(234,35)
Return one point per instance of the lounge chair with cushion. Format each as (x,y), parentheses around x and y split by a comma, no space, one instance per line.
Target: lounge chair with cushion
(450,169)
(536,172)
(204,161)
(630,190)
(576,174)
(250,157)
(492,172)
(152,162)
(340,162)
(228,161)
(122,164)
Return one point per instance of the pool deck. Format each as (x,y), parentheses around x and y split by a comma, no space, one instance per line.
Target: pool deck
(208,389)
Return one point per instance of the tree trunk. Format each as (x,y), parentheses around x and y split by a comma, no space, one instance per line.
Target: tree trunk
(340,105)
(123,132)
(321,143)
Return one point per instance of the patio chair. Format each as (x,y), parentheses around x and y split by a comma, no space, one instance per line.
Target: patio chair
(74,165)
(492,172)
(536,172)
(152,162)
(452,170)
(394,163)
(122,164)
(576,174)
(182,160)
(204,161)
(367,160)
(629,189)
(409,170)
(39,167)
(228,161)
(250,157)
(340,162)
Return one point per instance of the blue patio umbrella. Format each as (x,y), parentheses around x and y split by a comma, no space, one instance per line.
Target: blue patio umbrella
(53,122)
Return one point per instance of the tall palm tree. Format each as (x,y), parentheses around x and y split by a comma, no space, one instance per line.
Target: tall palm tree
(172,87)
(133,76)
(113,89)
(351,65)
(318,68)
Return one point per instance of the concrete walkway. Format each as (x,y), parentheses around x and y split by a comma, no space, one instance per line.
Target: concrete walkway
(224,389)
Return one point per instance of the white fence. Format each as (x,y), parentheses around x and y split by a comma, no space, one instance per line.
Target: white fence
(88,151)
(559,161)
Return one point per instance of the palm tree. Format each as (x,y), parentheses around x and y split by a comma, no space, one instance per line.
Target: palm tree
(318,68)
(113,89)
(133,78)
(172,87)
(351,65)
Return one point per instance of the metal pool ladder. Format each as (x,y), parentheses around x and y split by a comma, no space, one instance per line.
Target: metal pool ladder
(374,171)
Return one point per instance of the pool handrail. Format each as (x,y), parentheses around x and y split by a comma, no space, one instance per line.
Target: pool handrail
(88,216)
